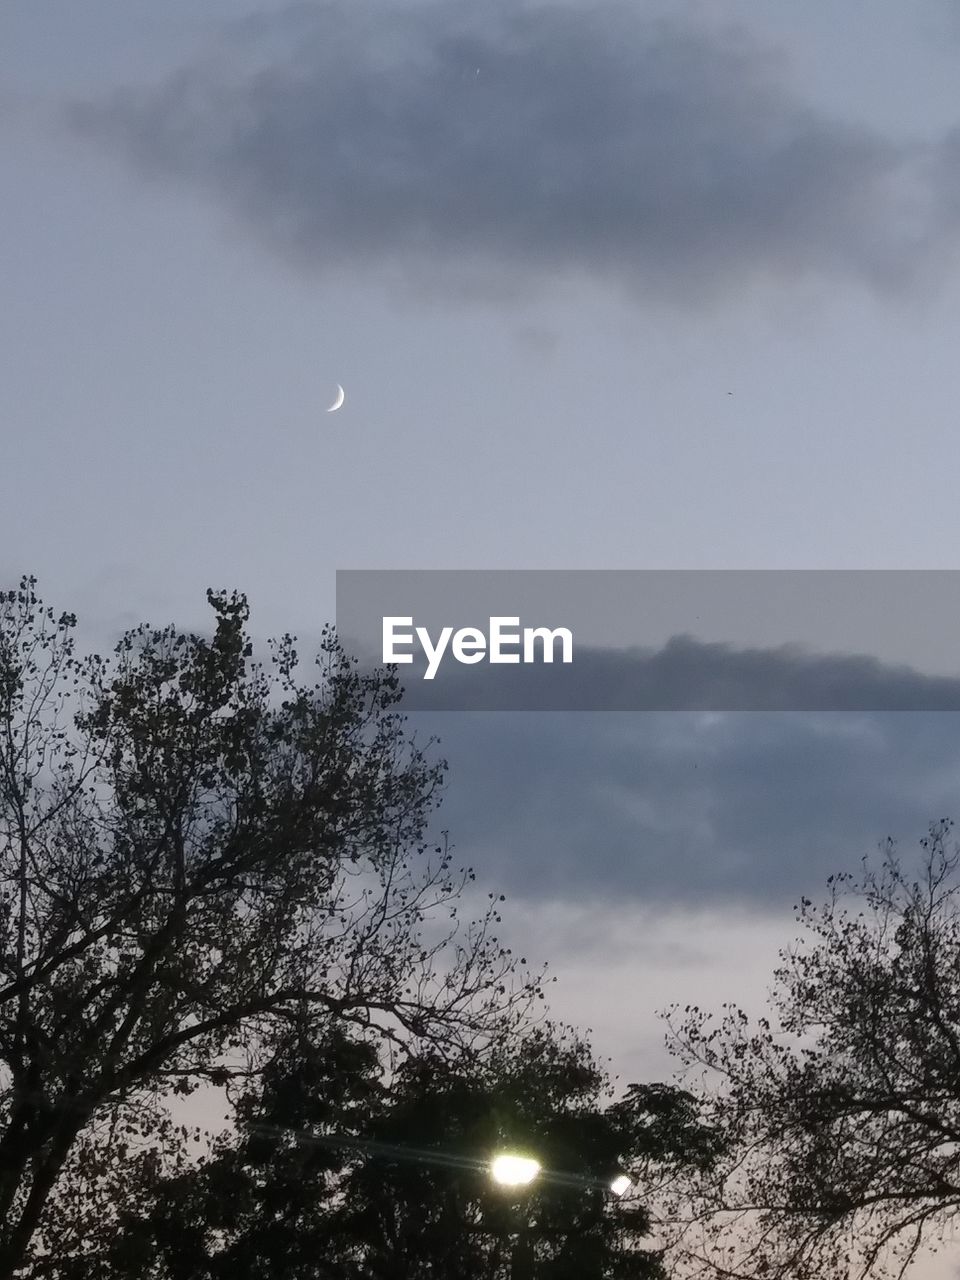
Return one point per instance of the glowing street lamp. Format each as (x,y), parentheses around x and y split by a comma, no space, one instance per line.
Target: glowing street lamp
(620,1185)
(511,1170)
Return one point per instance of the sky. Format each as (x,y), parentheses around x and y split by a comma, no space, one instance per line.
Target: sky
(608,286)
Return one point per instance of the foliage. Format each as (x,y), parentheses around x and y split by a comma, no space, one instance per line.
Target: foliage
(339,1170)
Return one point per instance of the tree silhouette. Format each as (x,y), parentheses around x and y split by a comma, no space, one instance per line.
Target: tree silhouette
(841,1111)
(339,1169)
(194,849)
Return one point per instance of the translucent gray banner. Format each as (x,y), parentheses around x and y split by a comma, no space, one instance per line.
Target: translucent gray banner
(659,640)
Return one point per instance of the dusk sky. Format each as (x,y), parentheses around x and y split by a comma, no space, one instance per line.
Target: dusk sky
(608,285)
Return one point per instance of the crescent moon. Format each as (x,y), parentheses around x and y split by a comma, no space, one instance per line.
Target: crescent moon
(339,400)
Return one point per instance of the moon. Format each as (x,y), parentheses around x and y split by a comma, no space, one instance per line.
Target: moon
(339,400)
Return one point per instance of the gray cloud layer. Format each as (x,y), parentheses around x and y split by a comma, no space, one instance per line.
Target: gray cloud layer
(534,141)
(823,756)
(685,675)
(688,808)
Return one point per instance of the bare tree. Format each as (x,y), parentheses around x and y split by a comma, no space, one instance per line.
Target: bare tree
(841,1112)
(193,845)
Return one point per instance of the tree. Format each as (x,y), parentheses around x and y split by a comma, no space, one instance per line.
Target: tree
(340,1170)
(195,847)
(842,1112)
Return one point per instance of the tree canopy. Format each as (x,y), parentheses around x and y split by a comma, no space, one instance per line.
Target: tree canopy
(337,1169)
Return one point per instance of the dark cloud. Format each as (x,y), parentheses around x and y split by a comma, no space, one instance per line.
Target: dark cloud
(685,675)
(748,775)
(685,808)
(512,141)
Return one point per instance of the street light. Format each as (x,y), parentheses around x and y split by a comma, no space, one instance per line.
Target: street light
(512,1170)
